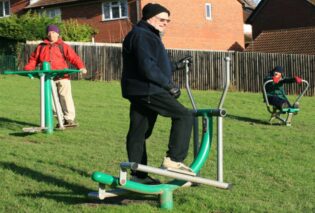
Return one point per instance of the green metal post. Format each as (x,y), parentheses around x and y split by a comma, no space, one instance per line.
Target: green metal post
(49,122)
(166,200)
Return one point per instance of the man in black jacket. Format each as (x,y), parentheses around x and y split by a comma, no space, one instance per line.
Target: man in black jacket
(147,83)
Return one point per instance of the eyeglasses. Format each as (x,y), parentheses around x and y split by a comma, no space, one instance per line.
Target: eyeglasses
(163,19)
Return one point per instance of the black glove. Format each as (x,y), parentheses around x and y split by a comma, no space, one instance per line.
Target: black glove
(173,90)
(181,65)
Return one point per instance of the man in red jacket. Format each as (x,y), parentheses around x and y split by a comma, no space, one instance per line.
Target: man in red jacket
(57,53)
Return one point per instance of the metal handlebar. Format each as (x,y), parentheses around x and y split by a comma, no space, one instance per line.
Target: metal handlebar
(303,92)
(188,87)
(227,82)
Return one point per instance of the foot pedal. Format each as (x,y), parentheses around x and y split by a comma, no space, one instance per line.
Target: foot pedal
(70,125)
(180,171)
(33,129)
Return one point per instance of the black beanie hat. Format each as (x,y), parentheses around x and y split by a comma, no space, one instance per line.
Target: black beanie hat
(150,10)
(278,69)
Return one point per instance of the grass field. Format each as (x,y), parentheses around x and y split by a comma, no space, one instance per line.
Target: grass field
(271,167)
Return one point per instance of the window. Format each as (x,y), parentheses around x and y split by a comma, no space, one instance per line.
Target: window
(53,12)
(4,8)
(115,10)
(208,11)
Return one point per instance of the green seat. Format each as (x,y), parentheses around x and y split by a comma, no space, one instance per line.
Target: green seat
(290,110)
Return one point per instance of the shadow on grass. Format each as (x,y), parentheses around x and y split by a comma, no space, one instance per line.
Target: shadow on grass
(22,134)
(40,177)
(7,122)
(13,125)
(83,199)
(72,169)
(79,193)
(247,119)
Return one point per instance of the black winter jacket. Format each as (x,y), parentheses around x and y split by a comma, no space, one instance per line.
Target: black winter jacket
(147,69)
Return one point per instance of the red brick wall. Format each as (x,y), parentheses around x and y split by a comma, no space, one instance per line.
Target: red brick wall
(109,31)
(283,14)
(17,6)
(190,29)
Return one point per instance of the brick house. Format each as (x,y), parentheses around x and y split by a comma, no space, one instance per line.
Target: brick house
(282,14)
(198,24)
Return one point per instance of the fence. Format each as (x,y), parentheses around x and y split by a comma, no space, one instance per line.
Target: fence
(104,62)
(7,62)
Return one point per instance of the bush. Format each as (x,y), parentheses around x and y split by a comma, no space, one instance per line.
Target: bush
(32,26)
(71,30)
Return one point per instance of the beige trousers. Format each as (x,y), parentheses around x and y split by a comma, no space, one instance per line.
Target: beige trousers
(65,98)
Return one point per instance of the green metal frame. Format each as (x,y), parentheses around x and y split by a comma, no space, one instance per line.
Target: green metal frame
(49,75)
(166,190)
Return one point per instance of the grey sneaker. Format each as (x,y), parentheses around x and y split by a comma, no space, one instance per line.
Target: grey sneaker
(178,167)
(296,105)
(148,180)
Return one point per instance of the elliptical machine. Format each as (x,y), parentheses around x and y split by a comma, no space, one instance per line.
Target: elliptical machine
(121,185)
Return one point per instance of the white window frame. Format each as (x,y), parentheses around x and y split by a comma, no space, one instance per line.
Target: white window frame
(4,12)
(107,9)
(208,11)
(53,12)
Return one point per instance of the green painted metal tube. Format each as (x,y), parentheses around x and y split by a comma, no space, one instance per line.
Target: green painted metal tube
(205,145)
(49,121)
(166,200)
(101,177)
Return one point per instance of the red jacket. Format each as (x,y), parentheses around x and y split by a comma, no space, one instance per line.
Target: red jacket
(52,53)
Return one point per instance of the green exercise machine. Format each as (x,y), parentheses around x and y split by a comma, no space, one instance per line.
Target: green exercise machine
(48,96)
(121,185)
(285,115)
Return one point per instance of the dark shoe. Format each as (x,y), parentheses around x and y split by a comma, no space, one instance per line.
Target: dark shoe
(70,123)
(58,126)
(148,180)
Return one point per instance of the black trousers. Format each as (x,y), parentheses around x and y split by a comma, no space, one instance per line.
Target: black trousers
(143,114)
(278,102)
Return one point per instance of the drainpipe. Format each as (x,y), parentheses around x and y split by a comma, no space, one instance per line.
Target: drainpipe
(138,10)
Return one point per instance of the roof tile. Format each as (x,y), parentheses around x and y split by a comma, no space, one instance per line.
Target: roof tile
(292,41)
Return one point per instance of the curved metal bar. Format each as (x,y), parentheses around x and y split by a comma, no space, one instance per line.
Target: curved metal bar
(303,92)
(265,92)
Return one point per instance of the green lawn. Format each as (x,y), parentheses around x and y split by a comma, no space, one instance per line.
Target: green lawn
(271,167)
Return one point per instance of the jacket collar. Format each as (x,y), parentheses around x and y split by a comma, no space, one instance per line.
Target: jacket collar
(149,27)
(46,41)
